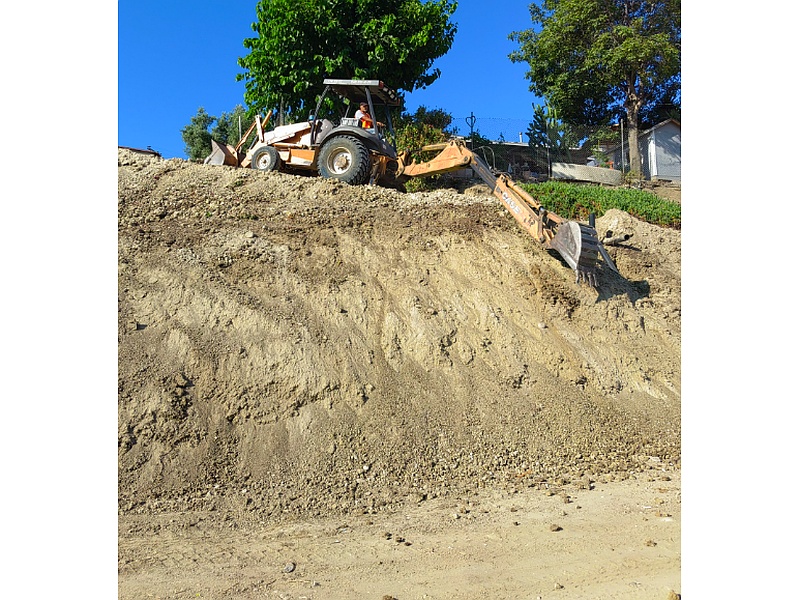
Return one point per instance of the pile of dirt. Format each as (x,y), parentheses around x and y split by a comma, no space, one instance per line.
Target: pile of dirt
(294,347)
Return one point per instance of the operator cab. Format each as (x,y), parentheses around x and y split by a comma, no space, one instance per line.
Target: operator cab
(351,92)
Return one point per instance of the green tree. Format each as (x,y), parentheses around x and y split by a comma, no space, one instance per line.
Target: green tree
(593,59)
(418,129)
(301,42)
(548,131)
(227,129)
(667,107)
(196,135)
(436,118)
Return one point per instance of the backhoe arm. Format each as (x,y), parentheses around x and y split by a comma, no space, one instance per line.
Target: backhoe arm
(575,242)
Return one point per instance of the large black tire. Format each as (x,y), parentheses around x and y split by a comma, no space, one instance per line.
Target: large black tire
(266,158)
(344,158)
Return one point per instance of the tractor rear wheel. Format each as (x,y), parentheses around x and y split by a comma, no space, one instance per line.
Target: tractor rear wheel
(345,158)
(266,158)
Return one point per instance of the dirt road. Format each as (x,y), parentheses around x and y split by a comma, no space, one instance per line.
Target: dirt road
(620,540)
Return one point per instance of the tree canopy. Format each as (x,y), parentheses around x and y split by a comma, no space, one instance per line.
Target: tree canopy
(301,42)
(196,135)
(437,118)
(547,131)
(594,60)
(231,126)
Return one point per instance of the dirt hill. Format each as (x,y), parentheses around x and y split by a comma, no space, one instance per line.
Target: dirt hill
(297,348)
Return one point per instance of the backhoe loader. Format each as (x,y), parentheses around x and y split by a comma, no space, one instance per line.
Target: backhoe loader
(357,155)
(347,150)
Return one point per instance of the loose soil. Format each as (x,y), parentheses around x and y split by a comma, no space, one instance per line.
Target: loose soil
(338,392)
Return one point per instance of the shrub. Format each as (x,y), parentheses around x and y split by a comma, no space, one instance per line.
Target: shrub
(576,201)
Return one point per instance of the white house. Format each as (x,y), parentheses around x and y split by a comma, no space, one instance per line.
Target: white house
(660,149)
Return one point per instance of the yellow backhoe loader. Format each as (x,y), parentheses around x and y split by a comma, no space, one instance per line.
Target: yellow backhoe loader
(357,155)
(346,150)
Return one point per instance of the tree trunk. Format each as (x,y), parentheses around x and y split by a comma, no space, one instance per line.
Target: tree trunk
(633,105)
(635,156)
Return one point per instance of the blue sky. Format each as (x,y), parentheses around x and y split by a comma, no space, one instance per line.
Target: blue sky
(176,56)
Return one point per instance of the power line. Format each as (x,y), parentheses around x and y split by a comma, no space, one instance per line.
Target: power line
(494,128)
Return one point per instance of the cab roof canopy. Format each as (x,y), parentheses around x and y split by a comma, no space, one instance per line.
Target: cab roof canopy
(354,90)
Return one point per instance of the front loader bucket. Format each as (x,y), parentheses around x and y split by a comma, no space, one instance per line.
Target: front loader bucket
(578,245)
(221,155)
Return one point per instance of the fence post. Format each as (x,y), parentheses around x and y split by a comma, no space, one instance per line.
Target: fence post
(471,122)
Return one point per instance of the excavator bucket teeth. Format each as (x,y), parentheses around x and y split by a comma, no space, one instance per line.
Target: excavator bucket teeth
(578,245)
(221,155)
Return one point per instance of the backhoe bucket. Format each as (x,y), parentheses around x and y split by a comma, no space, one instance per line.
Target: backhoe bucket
(221,155)
(578,245)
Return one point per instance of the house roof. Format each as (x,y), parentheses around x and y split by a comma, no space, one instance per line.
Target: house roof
(660,125)
(141,150)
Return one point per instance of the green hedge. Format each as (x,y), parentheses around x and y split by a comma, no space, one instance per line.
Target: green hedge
(576,201)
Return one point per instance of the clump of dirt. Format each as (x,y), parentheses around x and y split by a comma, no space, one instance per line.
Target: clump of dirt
(294,346)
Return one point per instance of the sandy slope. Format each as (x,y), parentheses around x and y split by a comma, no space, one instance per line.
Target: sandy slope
(298,357)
